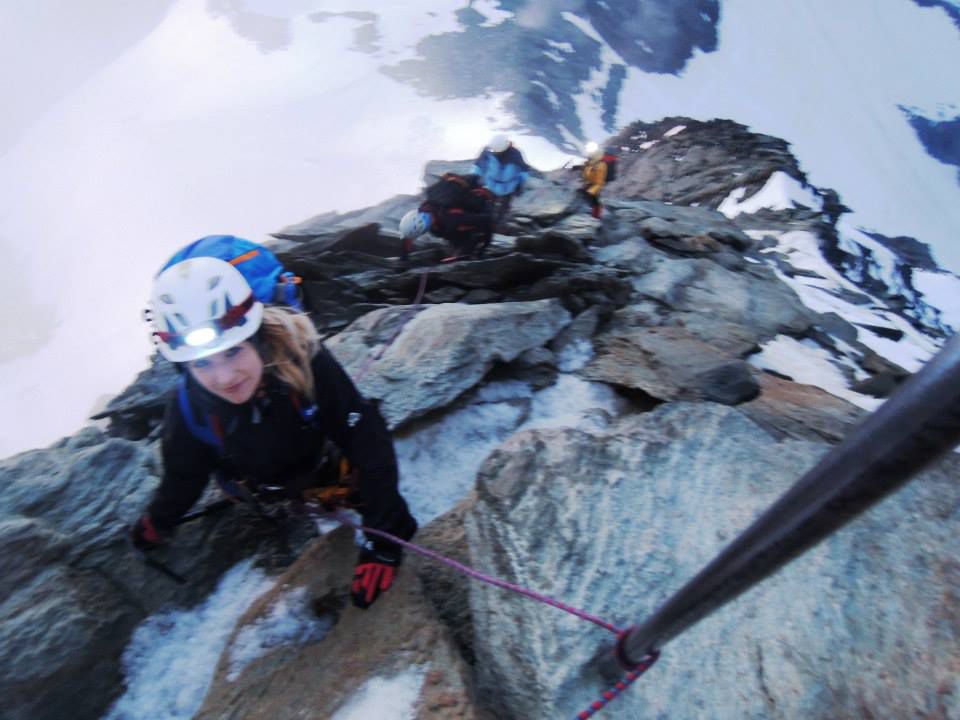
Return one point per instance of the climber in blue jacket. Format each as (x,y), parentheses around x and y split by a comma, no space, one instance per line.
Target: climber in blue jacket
(503,171)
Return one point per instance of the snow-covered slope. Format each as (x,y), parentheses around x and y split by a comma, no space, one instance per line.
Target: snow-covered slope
(243,116)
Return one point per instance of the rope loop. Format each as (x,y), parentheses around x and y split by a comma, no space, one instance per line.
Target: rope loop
(620,652)
(614,692)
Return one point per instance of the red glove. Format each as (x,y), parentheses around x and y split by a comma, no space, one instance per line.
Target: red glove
(145,535)
(374,574)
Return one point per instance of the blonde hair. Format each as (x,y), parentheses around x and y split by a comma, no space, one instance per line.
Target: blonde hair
(288,342)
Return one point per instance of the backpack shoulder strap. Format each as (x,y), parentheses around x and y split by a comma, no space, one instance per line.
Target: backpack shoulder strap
(210,434)
(308,413)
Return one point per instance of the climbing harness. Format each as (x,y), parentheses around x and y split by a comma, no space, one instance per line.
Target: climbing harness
(634,671)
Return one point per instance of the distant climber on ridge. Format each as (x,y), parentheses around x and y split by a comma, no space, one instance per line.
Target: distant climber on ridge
(459,210)
(503,171)
(265,409)
(594,177)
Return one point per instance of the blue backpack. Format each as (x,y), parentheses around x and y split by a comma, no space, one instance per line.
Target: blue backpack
(264,273)
(270,283)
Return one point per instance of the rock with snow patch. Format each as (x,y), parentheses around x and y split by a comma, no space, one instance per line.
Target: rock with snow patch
(71,586)
(703,163)
(755,299)
(302,650)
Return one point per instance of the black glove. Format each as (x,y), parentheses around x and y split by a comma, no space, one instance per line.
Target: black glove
(145,536)
(374,573)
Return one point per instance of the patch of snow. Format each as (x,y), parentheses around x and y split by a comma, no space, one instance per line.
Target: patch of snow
(883,261)
(561,46)
(491,11)
(677,129)
(589,101)
(440,458)
(575,403)
(780,192)
(575,356)
(551,95)
(391,698)
(820,294)
(648,144)
(911,352)
(808,363)
(582,25)
(942,290)
(172,656)
(290,621)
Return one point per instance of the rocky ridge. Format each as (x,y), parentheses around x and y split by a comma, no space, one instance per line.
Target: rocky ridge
(667,301)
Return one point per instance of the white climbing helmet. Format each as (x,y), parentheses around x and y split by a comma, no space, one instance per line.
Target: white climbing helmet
(499,143)
(201,306)
(414,224)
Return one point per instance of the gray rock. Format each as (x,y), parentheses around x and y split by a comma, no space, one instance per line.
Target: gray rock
(442,351)
(581,329)
(386,214)
(755,300)
(545,203)
(614,522)
(138,410)
(71,588)
(554,243)
(669,363)
(802,412)
(729,384)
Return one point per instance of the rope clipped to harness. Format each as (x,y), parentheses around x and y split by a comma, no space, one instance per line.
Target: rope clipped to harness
(634,671)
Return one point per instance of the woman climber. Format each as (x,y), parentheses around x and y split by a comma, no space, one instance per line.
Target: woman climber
(271,400)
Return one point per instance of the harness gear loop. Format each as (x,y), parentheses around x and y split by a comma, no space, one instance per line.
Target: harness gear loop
(339,494)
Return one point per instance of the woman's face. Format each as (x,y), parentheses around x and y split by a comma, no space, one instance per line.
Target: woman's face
(233,374)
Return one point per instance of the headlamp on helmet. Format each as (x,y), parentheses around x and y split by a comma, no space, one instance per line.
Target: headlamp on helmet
(202,306)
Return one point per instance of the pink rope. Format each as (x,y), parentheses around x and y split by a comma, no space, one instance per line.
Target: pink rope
(608,695)
(477,575)
(634,673)
(614,692)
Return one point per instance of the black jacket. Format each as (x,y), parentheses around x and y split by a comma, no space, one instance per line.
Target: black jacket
(267,441)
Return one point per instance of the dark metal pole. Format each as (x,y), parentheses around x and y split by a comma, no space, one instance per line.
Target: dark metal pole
(914,427)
